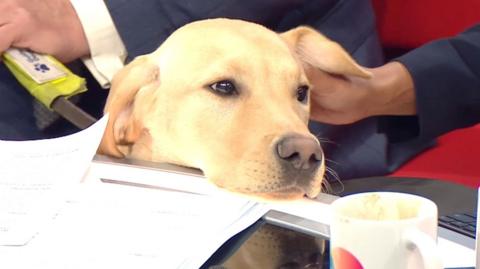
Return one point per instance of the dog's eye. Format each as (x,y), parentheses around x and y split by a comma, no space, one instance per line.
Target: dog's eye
(225,87)
(302,94)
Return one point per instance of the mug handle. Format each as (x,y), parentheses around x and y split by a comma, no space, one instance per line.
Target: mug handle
(427,247)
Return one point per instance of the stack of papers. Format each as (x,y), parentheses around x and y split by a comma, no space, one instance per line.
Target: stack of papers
(117,226)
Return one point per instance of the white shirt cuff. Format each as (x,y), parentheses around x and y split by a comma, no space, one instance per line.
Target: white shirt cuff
(107,51)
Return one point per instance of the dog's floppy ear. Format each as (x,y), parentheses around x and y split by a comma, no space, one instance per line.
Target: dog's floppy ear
(318,51)
(139,75)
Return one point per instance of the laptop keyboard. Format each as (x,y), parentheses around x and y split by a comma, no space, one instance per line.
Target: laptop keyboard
(461,223)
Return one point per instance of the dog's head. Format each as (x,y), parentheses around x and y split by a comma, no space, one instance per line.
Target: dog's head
(231,98)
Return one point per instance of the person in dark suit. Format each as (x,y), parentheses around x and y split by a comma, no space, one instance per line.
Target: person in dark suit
(358,148)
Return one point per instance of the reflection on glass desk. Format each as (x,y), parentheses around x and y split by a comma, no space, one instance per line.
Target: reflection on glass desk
(268,246)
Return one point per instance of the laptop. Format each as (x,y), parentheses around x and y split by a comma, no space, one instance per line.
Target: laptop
(460,226)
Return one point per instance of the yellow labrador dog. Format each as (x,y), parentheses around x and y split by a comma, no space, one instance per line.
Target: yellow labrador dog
(231,98)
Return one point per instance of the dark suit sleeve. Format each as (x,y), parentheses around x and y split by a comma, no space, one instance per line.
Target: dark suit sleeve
(446,74)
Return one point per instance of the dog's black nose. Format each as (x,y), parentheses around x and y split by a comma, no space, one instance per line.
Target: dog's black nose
(301,152)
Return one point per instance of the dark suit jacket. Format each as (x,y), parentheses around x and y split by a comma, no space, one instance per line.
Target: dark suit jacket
(374,146)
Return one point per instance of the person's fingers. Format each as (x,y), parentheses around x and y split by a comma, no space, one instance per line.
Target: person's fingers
(7,36)
(5,18)
(8,10)
(10,23)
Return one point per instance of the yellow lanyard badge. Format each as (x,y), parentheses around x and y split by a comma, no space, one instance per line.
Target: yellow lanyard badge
(49,81)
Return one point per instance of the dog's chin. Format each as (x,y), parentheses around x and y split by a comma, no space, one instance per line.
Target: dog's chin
(294,192)
(288,194)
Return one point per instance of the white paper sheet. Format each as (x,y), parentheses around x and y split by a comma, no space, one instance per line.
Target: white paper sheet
(117,226)
(35,177)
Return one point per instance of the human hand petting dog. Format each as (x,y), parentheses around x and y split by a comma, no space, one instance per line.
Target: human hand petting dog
(46,26)
(344,99)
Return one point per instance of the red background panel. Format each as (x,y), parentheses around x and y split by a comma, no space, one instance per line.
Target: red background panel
(410,23)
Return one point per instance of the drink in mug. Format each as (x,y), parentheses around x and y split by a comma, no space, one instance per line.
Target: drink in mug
(380,230)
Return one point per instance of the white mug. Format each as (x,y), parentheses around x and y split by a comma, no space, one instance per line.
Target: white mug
(380,230)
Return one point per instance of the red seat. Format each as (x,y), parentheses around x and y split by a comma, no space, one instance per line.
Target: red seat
(406,24)
(411,23)
(456,158)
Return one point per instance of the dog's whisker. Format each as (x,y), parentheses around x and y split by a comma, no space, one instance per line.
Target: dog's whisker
(330,161)
(332,173)
(334,177)
(325,140)
(326,186)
